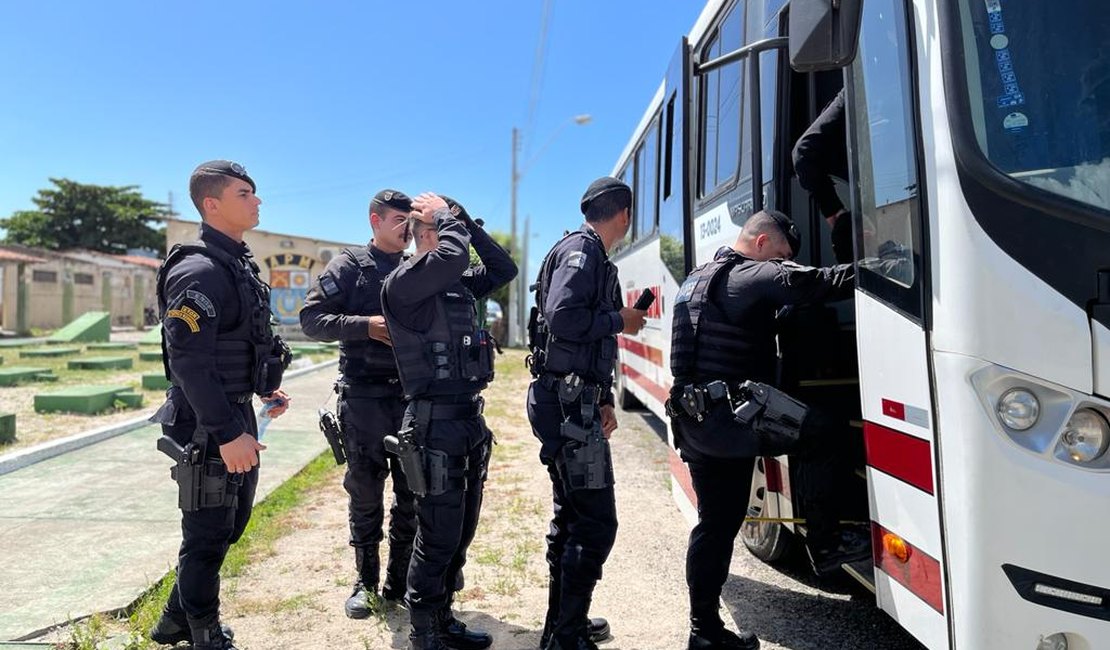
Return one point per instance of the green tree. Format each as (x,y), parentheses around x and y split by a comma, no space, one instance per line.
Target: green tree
(94,217)
(501,296)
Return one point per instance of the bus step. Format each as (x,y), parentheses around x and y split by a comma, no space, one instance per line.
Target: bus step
(863,571)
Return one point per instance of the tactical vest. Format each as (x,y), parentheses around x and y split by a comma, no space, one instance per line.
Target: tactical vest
(704,345)
(593,361)
(453,357)
(367,360)
(249,357)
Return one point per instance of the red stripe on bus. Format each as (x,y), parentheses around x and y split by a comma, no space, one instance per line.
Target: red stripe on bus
(920,573)
(772,470)
(894,410)
(658,392)
(644,351)
(902,456)
(681,474)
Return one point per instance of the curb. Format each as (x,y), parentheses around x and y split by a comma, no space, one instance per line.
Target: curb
(44,451)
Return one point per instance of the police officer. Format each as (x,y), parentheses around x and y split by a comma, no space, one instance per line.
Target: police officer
(724,331)
(344,305)
(820,154)
(570,406)
(219,351)
(444,359)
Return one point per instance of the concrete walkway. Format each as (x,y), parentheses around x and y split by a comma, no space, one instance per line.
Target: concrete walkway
(90,530)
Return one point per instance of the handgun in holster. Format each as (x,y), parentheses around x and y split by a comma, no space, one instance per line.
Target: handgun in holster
(187,472)
(772,414)
(408,450)
(333,433)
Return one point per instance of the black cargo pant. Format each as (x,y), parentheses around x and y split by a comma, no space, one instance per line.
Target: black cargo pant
(366,417)
(446,521)
(583,523)
(206,536)
(723,486)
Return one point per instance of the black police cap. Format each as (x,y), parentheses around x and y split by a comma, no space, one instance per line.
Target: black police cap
(788,229)
(226,168)
(395,199)
(603,185)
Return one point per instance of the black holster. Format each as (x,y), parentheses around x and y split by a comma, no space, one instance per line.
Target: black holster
(585,454)
(775,417)
(333,433)
(201,482)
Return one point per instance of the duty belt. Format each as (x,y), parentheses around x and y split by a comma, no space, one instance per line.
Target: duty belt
(239,398)
(695,400)
(429,410)
(383,388)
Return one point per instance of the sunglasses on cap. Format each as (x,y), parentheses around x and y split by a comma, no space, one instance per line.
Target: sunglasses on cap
(235,168)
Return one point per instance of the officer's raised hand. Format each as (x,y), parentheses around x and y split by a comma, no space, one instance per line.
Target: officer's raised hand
(241,454)
(378,330)
(426,205)
(633,320)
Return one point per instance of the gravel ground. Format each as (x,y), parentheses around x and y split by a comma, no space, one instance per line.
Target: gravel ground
(294,599)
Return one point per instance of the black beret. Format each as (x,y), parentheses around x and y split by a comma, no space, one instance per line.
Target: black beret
(226,168)
(603,185)
(456,208)
(789,230)
(393,198)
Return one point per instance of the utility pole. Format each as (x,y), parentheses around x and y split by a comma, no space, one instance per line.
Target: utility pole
(514,289)
(522,304)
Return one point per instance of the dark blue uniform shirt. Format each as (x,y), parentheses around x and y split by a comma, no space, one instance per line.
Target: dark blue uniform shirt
(326,315)
(208,289)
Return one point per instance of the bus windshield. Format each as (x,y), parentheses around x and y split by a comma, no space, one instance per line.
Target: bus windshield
(1038,77)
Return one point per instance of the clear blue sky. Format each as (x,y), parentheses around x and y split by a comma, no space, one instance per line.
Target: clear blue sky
(326,104)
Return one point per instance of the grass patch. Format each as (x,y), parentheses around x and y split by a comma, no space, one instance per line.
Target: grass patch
(269,522)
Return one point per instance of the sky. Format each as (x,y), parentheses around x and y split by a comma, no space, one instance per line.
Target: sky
(328,102)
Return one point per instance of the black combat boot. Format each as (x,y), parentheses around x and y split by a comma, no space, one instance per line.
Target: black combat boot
(170,630)
(847,546)
(396,573)
(596,628)
(209,635)
(364,596)
(710,634)
(173,627)
(571,630)
(453,633)
(424,635)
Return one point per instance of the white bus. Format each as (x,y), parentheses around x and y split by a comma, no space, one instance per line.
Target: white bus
(977,390)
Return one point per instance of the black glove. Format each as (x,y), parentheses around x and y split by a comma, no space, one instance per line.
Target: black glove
(842,238)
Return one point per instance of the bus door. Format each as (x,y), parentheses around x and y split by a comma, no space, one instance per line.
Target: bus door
(892,321)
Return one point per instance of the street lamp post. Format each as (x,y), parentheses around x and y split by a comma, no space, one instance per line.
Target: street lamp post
(518,288)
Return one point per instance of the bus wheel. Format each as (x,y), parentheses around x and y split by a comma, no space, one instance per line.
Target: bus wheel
(768,541)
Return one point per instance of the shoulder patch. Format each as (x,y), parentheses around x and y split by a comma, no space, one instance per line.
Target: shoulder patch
(328,286)
(186,314)
(202,301)
(576,259)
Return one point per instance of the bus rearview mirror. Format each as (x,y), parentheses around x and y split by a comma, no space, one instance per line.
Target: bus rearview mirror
(823,33)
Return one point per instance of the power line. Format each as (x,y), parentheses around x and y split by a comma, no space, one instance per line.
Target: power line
(535,89)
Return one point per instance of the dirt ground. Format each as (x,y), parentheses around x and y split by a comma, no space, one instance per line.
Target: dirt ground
(294,599)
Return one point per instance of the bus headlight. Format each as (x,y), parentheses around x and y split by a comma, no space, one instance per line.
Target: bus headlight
(1086,436)
(1019,409)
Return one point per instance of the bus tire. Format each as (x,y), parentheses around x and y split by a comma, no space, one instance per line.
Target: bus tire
(768,541)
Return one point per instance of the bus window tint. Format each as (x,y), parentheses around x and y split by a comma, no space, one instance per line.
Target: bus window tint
(647,186)
(884,127)
(1034,121)
(721,96)
(626,177)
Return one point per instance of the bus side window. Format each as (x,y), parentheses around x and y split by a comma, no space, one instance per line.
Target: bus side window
(646,191)
(720,94)
(885,165)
